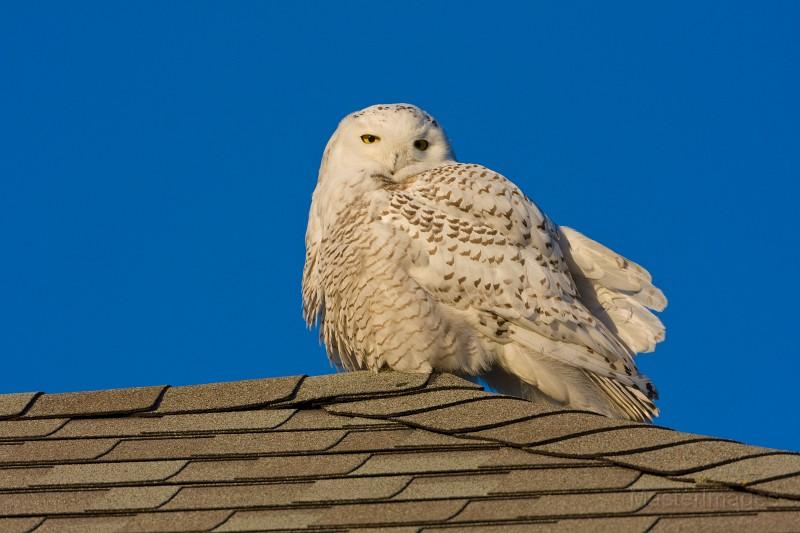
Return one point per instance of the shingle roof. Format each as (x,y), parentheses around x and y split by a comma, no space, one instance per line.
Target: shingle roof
(362,451)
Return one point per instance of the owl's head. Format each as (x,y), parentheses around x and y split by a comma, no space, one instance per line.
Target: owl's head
(392,141)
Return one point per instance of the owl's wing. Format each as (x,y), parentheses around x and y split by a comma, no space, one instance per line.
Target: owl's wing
(485,248)
(312,296)
(616,290)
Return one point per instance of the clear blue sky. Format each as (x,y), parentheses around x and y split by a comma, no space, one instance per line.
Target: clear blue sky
(157,161)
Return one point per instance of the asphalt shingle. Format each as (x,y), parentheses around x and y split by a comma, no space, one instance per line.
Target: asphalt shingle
(223,445)
(386,452)
(30,429)
(411,404)
(437,461)
(595,525)
(50,451)
(786,487)
(705,501)
(224,396)
(749,471)
(104,402)
(554,506)
(615,441)
(472,416)
(15,404)
(356,385)
(223,422)
(270,468)
(550,428)
(314,419)
(18,525)
(776,522)
(95,474)
(683,458)
(141,523)
(80,501)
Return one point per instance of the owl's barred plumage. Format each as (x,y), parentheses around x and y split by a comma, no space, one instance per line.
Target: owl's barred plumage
(418,263)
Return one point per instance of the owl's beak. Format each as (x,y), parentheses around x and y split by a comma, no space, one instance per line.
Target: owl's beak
(399,160)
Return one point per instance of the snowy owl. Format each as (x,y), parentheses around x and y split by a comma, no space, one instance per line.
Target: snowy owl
(418,263)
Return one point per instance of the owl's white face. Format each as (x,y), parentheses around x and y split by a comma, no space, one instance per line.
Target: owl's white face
(390,141)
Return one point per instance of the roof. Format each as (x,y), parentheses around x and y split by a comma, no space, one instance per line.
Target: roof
(362,451)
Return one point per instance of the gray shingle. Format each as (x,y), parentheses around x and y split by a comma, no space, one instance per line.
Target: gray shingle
(750,470)
(356,384)
(273,494)
(688,457)
(272,518)
(550,428)
(785,487)
(455,461)
(562,479)
(614,524)
(18,525)
(103,402)
(30,429)
(233,395)
(775,522)
(443,380)
(333,516)
(132,498)
(92,524)
(269,468)
(388,452)
(372,441)
(224,445)
(314,419)
(14,404)
(708,501)
(188,423)
(79,501)
(236,496)
(89,474)
(651,482)
(394,513)
(553,505)
(432,487)
(615,440)
(140,523)
(53,450)
(422,401)
(474,415)
(11,478)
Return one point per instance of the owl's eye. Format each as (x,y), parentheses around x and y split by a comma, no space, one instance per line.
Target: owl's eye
(421,144)
(368,138)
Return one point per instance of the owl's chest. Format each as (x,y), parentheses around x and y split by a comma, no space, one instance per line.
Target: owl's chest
(363,240)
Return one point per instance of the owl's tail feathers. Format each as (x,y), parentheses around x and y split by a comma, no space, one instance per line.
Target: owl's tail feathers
(616,290)
(537,377)
(507,383)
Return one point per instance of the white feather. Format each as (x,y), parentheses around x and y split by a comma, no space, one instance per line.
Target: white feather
(618,291)
(418,263)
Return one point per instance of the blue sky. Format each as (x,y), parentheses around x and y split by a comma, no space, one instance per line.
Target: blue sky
(157,161)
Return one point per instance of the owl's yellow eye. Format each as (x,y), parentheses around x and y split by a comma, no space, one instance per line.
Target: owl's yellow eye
(368,138)
(421,144)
